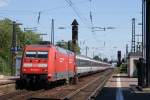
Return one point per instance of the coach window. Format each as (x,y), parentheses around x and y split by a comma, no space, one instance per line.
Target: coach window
(78,62)
(94,63)
(83,62)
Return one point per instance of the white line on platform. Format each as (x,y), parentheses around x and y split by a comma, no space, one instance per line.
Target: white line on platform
(119,95)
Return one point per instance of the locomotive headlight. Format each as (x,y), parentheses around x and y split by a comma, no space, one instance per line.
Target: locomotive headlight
(42,65)
(27,65)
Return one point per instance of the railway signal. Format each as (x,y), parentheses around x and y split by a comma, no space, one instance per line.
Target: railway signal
(119,58)
(74,32)
(74,43)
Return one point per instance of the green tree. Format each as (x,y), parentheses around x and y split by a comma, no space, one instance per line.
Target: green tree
(28,37)
(23,38)
(105,59)
(5,38)
(97,58)
(62,44)
(68,45)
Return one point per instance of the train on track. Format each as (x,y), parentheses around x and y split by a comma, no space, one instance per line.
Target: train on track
(47,63)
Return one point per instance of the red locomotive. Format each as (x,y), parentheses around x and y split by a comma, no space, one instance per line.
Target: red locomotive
(48,63)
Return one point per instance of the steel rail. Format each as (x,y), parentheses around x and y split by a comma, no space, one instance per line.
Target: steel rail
(71,95)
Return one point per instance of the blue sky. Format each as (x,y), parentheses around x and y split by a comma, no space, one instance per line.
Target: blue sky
(105,13)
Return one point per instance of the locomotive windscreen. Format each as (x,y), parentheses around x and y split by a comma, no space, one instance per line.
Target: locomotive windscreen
(42,54)
(37,54)
(31,54)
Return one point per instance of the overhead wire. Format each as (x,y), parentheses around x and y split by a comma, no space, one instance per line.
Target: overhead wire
(92,25)
(82,18)
(39,16)
(42,10)
(91,18)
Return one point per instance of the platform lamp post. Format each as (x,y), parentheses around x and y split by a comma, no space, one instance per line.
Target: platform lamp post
(14,47)
(144,41)
(144,29)
(142,65)
(147,36)
(74,44)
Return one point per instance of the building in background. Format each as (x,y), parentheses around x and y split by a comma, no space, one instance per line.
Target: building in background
(132,60)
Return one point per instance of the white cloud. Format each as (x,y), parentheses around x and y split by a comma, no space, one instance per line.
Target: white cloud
(4,3)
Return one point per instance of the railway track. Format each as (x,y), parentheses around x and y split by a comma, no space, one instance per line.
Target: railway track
(85,89)
(24,94)
(88,91)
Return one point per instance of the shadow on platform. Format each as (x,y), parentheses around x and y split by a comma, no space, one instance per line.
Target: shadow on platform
(109,93)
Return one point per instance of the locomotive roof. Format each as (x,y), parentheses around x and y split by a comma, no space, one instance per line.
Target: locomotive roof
(35,46)
(38,45)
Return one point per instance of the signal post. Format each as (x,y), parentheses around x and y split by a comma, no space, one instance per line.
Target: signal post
(74,45)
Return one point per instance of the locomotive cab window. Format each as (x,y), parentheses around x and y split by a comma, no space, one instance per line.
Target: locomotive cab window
(31,54)
(42,54)
(37,54)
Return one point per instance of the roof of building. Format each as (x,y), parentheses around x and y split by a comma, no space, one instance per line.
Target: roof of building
(135,54)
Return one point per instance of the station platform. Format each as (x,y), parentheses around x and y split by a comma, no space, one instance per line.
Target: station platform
(121,87)
(7,79)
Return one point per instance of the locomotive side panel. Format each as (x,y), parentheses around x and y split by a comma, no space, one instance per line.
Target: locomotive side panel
(59,66)
(71,64)
(51,65)
(62,67)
